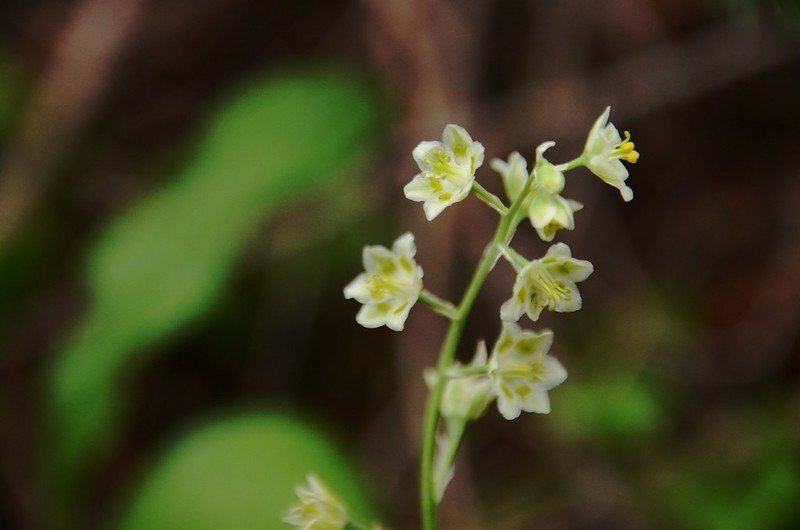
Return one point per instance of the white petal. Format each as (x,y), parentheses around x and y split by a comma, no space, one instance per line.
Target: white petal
(426,152)
(511,310)
(544,146)
(419,189)
(510,408)
(598,125)
(397,316)
(434,207)
(542,209)
(537,401)
(404,245)
(373,315)
(553,372)
(378,259)
(358,289)
(457,138)
(626,192)
(558,250)
(571,305)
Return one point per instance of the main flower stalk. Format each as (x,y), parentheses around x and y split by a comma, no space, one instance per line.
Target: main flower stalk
(502,236)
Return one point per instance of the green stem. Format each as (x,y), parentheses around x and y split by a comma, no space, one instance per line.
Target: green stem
(502,236)
(467,371)
(441,306)
(572,164)
(489,198)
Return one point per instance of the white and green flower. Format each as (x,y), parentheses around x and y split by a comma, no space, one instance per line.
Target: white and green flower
(389,286)
(447,170)
(466,398)
(522,372)
(547,282)
(604,152)
(547,210)
(318,509)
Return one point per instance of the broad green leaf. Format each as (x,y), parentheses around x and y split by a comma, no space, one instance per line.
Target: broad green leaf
(240,474)
(163,263)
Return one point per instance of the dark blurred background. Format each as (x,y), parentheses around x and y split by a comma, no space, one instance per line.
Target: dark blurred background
(185,188)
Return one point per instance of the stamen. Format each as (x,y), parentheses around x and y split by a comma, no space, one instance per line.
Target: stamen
(553,291)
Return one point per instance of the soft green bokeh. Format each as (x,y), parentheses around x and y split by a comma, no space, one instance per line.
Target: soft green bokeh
(240,474)
(164,262)
(609,409)
(759,495)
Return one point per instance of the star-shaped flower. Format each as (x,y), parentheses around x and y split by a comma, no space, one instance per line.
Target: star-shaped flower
(447,170)
(522,372)
(318,508)
(547,282)
(389,286)
(605,150)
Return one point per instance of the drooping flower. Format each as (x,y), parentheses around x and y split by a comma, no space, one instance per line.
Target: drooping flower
(605,150)
(447,170)
(466,398)
(547,282)
(389,286)
(514,174)
(522,372)
(547,210)
(318,509)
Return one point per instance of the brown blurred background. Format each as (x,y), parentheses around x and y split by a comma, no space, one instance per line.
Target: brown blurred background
(683,402)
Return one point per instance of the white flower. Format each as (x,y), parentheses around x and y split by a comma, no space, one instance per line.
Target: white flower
(514,174)
(546,282)
(447,170)
(466,398)
(604,151)
(389,286)
(547,210)
(522,372)
(318,508)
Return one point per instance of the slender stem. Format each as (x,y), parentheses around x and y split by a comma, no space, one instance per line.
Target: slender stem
(489,198)
(467,371)
(572,164)
(440,305)
(502,236)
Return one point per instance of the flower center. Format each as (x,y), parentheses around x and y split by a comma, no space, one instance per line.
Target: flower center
(548,290)
(380,286)
(528,371)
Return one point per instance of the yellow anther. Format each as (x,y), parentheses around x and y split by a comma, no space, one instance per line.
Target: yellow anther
(627,147)
(632,157)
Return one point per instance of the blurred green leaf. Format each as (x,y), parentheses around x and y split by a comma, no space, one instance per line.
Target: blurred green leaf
(608,409)
(164,262)
(240,474)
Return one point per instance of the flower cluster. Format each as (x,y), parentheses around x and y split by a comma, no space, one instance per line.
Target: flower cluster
(520,372)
